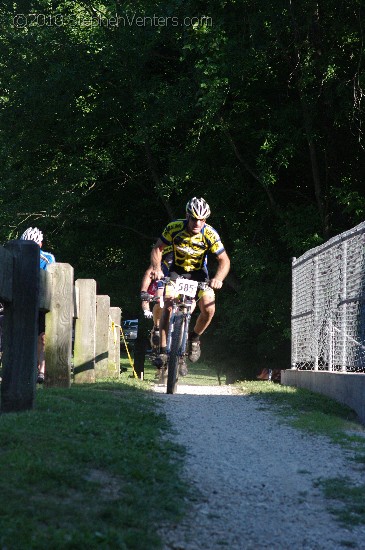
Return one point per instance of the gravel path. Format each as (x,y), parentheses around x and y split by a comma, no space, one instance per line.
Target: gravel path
(254,477)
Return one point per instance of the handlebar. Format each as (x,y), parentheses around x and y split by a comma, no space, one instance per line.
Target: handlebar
(146,297)
(202,284)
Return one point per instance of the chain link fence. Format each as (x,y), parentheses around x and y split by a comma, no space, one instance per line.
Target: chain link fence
(328,305)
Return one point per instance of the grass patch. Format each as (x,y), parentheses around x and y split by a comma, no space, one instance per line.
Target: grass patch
(316,413)
(200,374)
(306,410)
(88,469)
(352,509)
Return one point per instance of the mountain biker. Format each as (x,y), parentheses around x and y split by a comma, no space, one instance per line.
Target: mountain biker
(151,291)
(191,240)
(150,287)
(46,258)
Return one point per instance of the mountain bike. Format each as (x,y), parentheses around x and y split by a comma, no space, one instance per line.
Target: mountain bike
(182,292)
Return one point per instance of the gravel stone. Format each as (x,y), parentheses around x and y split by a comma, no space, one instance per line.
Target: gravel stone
(253,477)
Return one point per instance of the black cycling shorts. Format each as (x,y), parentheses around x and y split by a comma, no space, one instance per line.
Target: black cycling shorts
(41,322)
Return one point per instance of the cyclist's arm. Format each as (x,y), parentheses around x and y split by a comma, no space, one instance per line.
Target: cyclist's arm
(156,258)
(146,279)
(144,287)
(222,271)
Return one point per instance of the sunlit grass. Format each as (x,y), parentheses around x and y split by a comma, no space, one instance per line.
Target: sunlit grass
(199,373)
(88,469)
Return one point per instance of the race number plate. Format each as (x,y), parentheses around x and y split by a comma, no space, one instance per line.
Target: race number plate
(187,287)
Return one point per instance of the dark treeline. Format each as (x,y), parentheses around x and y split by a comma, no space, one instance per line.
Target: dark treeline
(114,114)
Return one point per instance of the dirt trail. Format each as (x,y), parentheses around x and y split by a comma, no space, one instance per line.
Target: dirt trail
(254,477)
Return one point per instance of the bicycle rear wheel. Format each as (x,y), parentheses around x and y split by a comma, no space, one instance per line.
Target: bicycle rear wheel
(173,364)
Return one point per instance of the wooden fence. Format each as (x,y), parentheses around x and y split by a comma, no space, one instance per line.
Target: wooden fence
(75,314)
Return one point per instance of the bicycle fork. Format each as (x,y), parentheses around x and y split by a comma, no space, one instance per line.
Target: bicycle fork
(187,316)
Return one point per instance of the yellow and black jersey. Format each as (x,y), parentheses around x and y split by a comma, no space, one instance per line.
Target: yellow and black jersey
(190,251)
(167,257)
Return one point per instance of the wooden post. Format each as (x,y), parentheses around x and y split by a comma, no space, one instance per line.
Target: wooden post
(18,387)
(141,345)
(59,326)
(115,315)
(6,275)
(102,336)
(84,346)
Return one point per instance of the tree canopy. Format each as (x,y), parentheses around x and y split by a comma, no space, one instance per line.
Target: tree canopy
(114,114)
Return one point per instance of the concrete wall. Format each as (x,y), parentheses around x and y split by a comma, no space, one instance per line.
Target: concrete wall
(347,388)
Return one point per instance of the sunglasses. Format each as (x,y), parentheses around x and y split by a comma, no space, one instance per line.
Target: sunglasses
(196,219)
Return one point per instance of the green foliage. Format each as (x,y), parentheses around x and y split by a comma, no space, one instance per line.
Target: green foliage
(113,116)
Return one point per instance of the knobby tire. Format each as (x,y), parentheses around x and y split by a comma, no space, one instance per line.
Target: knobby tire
(173,364)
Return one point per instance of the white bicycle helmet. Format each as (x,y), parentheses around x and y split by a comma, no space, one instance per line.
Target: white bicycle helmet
(198,208)
(32,234)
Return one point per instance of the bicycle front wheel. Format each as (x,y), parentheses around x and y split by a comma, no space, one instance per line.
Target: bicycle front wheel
(173,364)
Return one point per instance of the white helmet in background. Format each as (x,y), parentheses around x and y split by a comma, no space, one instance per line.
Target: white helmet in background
(198,208)
(32,234)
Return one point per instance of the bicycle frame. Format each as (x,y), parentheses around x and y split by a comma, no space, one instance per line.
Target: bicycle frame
(178,328)
(184,305)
